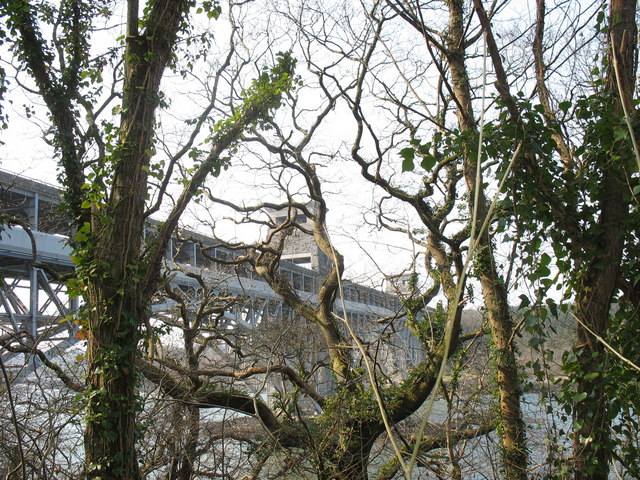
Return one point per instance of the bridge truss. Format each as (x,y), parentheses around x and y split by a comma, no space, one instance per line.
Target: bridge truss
(36,307)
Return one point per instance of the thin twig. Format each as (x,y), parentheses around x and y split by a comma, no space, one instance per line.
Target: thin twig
(625,106)
(14,421)
(609,347)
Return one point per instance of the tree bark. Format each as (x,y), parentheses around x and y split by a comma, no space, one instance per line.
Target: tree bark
(596,288)
(512,432)
(113,266)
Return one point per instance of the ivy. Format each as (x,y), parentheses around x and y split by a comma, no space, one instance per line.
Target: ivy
(263,96)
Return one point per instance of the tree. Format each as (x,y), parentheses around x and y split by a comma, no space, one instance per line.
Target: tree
(107,169)
(118,272)
(406,102)
(572,198)
(446,160)
(451,60)
(598,170)
(367,399)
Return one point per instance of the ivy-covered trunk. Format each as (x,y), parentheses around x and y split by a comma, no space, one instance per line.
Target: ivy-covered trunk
(512,432)
(113,270)
(111,394)
(111,263)
(592,443)
(598,276)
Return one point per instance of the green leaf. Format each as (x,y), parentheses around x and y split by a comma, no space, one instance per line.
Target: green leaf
(428,162)
(534,342)
(579,397)
(407,165)
(407,154)
(215,13)
(544,271)
(620,133)
(564,106)
(545,259)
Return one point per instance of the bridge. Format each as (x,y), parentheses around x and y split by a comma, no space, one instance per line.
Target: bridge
(34,254)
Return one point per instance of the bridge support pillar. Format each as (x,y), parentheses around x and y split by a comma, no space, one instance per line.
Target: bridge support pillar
(32,301)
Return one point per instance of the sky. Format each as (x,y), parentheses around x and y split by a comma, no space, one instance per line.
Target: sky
(23,151)
(367,251)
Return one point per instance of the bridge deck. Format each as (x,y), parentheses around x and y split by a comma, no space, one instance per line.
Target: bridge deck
(32,300)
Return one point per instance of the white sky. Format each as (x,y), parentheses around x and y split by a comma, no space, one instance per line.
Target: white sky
(24,152)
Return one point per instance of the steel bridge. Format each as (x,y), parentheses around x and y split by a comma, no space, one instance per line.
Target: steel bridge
(35,301)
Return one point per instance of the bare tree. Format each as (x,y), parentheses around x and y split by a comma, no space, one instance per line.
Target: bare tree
(416,112)
(107,169)
(410,104)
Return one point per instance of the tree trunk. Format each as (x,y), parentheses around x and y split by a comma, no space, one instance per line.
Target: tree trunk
(512,432)
(112,403)
(112,265)
(115,318)
(592,442)
(596,286)
(353,455)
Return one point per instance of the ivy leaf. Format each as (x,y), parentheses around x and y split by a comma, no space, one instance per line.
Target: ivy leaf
(620,133)
(428,162)
(579,397)
(545,259)
(544,271)
(564,106)
(524,302)
(408,154)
